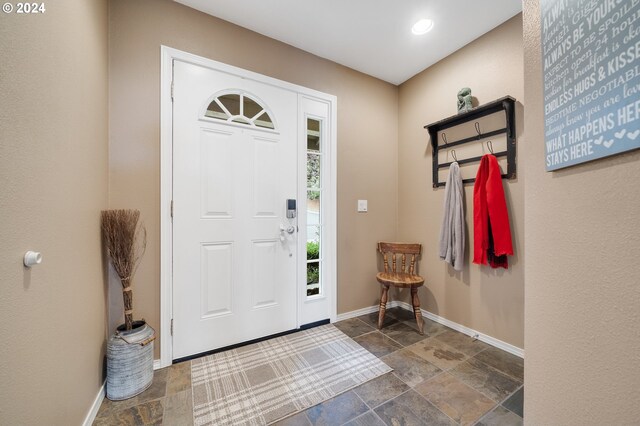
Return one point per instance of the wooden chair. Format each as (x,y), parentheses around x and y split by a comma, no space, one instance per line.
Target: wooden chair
(400,279)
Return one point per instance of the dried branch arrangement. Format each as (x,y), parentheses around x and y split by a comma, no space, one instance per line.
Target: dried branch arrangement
(126,241)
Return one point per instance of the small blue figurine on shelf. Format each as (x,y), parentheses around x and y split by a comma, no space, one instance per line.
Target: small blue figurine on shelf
(464,100)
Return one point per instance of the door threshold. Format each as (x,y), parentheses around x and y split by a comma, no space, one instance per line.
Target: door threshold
(313,324)
(249,342)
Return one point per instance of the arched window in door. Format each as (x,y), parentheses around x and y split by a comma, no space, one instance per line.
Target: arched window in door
(240,108)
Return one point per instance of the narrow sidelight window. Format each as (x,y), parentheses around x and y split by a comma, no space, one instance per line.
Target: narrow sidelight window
(314,200)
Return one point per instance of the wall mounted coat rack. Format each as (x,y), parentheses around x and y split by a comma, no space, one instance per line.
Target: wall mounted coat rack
(506,104)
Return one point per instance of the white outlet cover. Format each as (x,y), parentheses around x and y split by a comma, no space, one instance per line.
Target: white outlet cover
(362,205)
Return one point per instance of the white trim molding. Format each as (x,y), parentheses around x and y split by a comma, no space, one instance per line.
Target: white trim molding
(507,347)
(93,411)
(363,311)
(166,196)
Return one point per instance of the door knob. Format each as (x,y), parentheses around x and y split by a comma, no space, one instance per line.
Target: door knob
(289,229)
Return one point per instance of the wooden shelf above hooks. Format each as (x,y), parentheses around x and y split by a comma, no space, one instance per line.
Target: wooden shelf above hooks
(506,104)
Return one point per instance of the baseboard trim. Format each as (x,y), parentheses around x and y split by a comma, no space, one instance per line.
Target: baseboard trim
(358,312)
(507,347)
(93,411)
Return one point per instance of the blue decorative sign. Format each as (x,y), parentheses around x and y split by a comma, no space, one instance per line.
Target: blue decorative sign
(591,69)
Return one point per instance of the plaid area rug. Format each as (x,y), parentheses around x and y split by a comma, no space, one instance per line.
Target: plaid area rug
(264,382)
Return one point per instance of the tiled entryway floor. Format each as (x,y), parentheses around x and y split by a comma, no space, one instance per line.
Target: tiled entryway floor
(441,378)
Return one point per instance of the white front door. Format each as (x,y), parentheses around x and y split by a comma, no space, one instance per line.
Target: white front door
(234,249)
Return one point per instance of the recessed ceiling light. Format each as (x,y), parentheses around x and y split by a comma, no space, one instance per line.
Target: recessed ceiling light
(423,26)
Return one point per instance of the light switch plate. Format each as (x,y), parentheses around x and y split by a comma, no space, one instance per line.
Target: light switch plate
(362,206)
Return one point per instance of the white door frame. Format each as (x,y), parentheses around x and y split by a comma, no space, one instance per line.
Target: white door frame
(168,55)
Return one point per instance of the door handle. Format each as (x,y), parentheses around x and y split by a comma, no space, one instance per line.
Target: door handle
(289,229)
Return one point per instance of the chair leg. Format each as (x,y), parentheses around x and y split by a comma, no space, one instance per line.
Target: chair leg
(416,309)
(383,305)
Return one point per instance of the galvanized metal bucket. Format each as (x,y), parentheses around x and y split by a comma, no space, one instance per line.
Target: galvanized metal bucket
(130,361)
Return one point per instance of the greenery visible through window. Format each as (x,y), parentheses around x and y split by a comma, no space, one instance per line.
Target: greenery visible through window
(313,268)
(313,250)
(313,174)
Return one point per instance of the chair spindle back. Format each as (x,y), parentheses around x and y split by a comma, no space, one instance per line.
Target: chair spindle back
(402,249)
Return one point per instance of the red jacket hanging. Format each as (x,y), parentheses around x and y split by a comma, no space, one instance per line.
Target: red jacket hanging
(491,231)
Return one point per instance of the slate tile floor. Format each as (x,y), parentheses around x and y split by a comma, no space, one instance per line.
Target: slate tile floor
(441,378)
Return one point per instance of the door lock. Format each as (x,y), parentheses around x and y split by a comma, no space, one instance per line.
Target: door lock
(291,209)
(289,229)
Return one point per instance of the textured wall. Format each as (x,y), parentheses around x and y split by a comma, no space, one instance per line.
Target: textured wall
(582,276)
(53,174)
(367,133)
(490,301)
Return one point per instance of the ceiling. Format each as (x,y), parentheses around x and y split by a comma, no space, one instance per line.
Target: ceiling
(371,36)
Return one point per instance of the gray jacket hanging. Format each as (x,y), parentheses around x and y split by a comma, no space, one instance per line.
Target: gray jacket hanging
(451,248)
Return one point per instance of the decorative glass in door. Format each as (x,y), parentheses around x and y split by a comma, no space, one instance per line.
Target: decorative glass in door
(314,199)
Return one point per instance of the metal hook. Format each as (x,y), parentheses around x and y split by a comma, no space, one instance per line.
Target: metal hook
(453,154)
(490,146)
(477,126)
(444,138)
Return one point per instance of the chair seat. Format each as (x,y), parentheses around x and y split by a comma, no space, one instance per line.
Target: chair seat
(400,279)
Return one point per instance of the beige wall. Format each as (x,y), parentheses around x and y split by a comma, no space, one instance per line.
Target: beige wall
(490,301)
(582,276)
(53,174)
(367,133)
